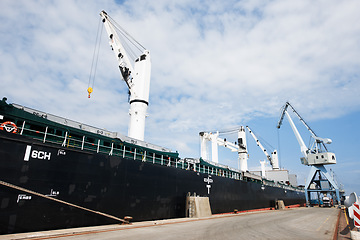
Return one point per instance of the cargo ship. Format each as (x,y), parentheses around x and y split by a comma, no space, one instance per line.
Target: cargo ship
(57,173)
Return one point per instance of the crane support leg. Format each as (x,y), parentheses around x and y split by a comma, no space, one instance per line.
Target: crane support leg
(321,169)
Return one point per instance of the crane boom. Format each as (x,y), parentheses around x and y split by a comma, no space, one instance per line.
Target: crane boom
(124,63)
(318,153)
(259,144)
(318,141)
(282,115)
(136,75)
(273,159)
(287,104)
(303,148)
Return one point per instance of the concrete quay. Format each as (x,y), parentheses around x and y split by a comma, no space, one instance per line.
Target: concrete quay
(294,223)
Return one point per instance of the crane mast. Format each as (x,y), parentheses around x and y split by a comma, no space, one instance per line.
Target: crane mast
(136,76)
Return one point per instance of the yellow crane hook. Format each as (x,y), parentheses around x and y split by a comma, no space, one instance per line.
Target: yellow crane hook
(90,90)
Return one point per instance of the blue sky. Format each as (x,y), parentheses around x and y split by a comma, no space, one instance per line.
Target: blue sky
(215,65)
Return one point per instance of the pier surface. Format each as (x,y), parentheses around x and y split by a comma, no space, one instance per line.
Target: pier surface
(295,223)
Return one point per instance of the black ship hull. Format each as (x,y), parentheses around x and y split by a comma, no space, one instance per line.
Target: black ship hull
(109,184)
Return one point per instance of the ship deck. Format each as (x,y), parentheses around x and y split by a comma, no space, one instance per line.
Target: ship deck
(294,223)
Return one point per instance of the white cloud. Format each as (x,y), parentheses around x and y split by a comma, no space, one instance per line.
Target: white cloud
(215,64)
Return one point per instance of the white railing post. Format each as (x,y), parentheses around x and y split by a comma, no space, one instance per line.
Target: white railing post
(82,144)
(64,143)
(22,128)
(112,148)
(45,134)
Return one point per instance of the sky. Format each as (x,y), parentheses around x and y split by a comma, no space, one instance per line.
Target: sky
(216,65)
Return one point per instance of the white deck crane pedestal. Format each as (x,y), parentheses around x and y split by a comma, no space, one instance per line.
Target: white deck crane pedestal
(316,156)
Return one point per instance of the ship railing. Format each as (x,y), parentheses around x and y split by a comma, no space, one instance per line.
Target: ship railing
(281,185)
(136,154)
(67,122)
(73,142)
(287,187)
(79,143)
(89,128)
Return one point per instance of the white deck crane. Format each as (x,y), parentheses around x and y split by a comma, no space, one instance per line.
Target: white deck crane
(273,158)
(316,156)
(240,147)
(135,74)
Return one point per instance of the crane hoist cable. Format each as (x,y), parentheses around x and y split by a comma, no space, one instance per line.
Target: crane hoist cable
(229,131)
(279,148)
(129,43)
(95,59)
(130,38)
(266,144)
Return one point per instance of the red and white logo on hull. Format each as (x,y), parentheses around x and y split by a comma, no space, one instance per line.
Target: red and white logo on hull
(9,127)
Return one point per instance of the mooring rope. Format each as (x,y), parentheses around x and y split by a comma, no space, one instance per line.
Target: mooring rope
(60,201)
(347,220)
